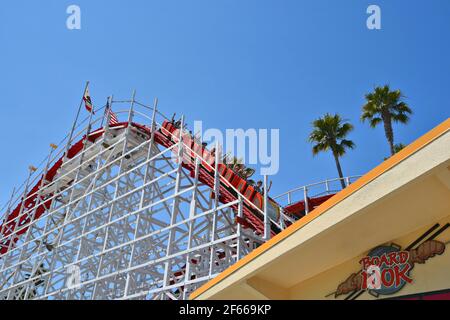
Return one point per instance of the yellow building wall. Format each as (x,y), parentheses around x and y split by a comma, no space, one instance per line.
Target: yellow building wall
(433,275)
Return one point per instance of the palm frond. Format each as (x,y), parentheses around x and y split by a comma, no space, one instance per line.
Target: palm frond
(319,148)
(400,117)
(375,121)
(347,144)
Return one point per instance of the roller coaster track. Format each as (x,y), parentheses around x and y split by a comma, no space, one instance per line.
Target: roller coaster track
(17,222)
(142,213)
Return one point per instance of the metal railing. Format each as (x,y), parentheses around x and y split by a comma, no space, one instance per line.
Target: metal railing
(322,188)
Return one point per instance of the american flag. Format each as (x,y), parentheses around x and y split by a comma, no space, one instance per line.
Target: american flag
(111,115)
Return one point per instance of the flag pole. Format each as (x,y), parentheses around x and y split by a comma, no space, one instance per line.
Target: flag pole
(105,112)
(76,118)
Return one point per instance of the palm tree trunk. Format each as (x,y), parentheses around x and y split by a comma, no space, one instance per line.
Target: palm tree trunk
(389,132)
(339,169)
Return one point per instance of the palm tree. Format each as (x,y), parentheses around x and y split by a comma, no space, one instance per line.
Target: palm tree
(384,105)
(397,148)
(329,133)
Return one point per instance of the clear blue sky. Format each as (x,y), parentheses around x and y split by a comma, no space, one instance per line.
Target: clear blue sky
(232,64)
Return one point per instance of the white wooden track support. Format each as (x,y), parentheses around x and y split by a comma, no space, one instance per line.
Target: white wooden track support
(125,221)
